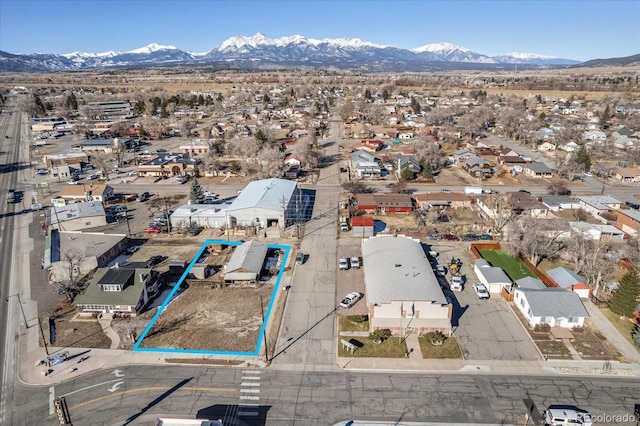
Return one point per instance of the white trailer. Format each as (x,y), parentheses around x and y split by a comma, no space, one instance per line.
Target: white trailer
(472,190)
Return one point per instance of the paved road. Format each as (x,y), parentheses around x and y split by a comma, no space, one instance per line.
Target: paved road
(296,395)
(308,325)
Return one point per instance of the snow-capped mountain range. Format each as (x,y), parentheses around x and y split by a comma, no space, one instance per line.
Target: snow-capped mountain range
(260,51)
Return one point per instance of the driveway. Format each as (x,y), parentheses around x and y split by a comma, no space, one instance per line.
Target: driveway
(485,329)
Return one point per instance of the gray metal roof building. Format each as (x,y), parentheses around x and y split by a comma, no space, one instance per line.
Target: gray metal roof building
(397,268)
(554,302)
(246,262)
(265,203)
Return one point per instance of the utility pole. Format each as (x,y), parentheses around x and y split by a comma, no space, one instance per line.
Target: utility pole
(24,317)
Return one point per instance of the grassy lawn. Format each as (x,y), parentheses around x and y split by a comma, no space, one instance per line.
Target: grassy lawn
(624,326)
(354,323)
(365,348)
(510,264)
(448,350)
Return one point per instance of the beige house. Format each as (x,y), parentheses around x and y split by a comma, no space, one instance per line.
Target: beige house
(85,192)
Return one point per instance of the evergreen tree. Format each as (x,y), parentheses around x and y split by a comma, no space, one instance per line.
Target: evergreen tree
(583,158)
(196,193)
(71,102)
(367,94)
(415,106)
(139,108)
(623,301)
(604,118)
(385,94)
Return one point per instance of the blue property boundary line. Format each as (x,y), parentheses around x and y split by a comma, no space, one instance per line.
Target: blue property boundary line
(267,315)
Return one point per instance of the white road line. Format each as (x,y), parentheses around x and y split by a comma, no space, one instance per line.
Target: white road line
(249,397)
(251,372)
(250,378)
(250,390)
(52,397)
(249,384)
(92,386)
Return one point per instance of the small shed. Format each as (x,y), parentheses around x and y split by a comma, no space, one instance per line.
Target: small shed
(202,271)
(246,262)
(494,278)
(177,267)
(362,226)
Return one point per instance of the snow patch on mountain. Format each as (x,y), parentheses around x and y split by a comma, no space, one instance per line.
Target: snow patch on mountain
(153,47)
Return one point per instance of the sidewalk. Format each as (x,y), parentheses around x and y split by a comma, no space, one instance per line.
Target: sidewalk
(611,333)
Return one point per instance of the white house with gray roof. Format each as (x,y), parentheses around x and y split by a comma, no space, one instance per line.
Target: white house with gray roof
(77,216)
(494,278)
(599,204)
(560,202)
(553,306)
(402,291)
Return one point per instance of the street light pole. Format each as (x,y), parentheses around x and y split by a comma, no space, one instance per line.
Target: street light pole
(26,324)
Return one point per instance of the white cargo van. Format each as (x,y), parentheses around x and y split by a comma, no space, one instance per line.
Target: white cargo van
(563,415)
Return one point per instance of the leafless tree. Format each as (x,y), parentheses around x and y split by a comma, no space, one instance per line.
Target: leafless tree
(345,110)
(101,161)
(511,121)
(591,261)
(71,258)
(538,239)
(270,162)
(558,187)
(429,153)
(354,187)
(500,209)
(308,152)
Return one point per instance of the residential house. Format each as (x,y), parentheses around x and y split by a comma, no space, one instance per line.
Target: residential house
(371,145)
(513,162)
(494,278)
(292,160)
(121,290)
(557,203)
(567,279)
(547,146)
(401,290)
(551,306)
(628,174)
(84,192)
(530,283)
(537,169)
(491,206)
(454,200)
(570,146)
(477,167)
(598,205)
(384,203)
(628,221)
(597,231)
(364,165)
(408,162)
(594,136)
(246,262)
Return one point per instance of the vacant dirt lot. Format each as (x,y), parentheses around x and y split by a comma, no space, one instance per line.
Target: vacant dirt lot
(212,319)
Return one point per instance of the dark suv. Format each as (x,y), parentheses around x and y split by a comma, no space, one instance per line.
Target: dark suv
(470,237)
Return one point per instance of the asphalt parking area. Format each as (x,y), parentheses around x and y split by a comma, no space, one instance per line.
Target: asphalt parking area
(484,329)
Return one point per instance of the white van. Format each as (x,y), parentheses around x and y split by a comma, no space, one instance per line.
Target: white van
(563,415)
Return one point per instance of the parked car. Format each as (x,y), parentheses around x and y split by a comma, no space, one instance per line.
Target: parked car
(633,205)
(434,237)
(195,230)
(451,237)
(355,262)
(161,150)
(152,230)
(481,291)
(144,196)
(456,283)
(42,172)
(470,237)
(182,179)
(344,227)
(154,260)
(566,415)
(442,270)
(350,299)
(299,258)
(485,237)
(343,264)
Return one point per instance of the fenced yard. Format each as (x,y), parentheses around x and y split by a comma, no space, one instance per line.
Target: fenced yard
(513,266)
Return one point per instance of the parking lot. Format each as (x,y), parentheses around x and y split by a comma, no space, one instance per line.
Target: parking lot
(485,329)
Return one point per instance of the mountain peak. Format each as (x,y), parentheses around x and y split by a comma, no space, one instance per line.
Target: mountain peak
(441,47)
(152,47)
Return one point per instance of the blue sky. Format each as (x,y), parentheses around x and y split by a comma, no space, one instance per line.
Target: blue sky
(580,30)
